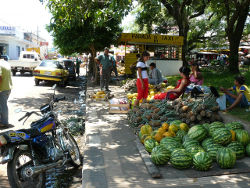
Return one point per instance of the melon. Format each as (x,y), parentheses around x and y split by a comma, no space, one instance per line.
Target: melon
(160,155)
(202,161)
(181,159)
(234,125)
(248,150)
(150,144)
(242,136)
(226,158)
(197,132)
(222,136)
(238,148)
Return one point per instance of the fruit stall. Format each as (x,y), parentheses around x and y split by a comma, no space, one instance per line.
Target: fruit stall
(190,134)
(165,51)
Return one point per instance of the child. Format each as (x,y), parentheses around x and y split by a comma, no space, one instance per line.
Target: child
(242,97)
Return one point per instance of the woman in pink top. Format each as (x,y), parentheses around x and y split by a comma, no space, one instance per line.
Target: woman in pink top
(196,76)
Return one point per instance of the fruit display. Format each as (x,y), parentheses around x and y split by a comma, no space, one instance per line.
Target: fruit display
(226,158)
(99,95)
(186,146)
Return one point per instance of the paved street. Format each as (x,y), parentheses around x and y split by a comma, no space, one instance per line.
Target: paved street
(28,97)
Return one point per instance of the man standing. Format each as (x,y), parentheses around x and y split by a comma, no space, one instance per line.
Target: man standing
(5,88)
(78,62)
(155,76)
(105,64)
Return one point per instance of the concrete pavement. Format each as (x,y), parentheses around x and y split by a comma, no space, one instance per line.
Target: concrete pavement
(112,160)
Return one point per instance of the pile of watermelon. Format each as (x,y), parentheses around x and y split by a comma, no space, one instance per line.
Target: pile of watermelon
(199,146)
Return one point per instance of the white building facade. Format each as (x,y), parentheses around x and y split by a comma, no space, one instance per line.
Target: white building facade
(13,40)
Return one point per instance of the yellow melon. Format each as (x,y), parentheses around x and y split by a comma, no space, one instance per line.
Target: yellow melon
(167,134)
(174,128)
(165,126)
(184,127)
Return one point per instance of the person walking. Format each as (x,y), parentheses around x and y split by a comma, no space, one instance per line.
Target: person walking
(105,64)
(142,78)
(78,62)
(5,89)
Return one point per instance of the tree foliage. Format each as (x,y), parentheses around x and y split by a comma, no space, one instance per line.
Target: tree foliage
(85,25)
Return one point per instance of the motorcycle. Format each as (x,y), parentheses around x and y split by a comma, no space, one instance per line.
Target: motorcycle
(31,152)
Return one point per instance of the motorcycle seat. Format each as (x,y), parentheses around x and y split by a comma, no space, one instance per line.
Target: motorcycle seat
(33,132)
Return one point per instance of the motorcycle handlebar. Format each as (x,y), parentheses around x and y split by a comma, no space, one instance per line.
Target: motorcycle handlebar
(59,99)
(26,115)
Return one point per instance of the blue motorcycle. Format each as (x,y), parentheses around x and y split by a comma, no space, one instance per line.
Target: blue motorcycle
(31,152)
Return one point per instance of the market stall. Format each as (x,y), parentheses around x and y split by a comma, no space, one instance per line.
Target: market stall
(164,50)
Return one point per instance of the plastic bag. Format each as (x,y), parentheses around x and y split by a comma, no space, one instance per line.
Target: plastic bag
(222,102)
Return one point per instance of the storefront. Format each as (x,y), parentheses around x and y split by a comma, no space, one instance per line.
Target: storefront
(165,51)
(12,42)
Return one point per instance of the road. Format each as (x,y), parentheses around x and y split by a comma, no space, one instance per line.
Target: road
(28,97)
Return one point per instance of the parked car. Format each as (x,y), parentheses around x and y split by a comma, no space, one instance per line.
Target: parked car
(70,66)
(5,57)
(27,62)
(51,70)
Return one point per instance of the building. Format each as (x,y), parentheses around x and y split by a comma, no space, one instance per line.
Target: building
(13,40)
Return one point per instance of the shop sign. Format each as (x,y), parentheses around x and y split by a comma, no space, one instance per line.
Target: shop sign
(151,39)
(7,30)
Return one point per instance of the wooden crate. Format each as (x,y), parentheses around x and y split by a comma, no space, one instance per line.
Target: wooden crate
(119,111)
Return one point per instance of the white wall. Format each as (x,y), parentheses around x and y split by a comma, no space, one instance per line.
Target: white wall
(167,67)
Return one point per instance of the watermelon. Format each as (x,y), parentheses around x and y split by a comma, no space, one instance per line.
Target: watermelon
(234,125)
(150,144)
(206,126)
(248,150)
(181,134)
(222,136)
(197,132)
(242,136)
(238,148)
(181,159)
(202,161)
(171,143)
(207,142)
(212,150)
(190,142)
(176,122)
(160,155)
(214,126)
(194,149)
(226,158)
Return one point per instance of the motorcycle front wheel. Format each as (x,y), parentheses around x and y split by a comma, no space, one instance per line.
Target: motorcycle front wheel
(72,147)
(16,172)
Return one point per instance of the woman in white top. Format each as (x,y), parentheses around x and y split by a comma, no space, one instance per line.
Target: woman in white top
(142,78)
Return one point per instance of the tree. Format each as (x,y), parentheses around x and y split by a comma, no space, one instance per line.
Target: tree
(235,13)
(85,25)
(182,11)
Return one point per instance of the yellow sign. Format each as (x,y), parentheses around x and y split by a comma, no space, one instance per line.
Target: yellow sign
(37,50)
(151,38)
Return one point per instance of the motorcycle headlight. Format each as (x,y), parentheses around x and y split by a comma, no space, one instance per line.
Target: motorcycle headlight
(3,141)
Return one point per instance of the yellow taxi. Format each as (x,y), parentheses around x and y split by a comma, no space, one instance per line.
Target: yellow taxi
(51,70)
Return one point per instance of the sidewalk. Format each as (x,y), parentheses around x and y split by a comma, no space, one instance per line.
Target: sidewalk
(111,158)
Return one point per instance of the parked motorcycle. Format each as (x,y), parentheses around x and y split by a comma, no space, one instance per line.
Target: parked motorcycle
(31,152)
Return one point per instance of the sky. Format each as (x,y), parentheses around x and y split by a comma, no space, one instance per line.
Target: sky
(28,14)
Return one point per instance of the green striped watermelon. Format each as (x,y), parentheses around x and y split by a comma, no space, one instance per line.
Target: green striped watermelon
(190,142)
(150,144)
(181,159)
(206,126)
(222,136)
(248,150)
(171,143)
(207,142)
(242,136)
(160,155)
(214,126)
(194,149)
(238,148)
(212,150)
(234,125)
(197,132)
(202,161)
(226,158)
(181,134)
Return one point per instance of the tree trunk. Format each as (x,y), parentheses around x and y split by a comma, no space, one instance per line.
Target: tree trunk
(234,57)
(183,31)
(93,66)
